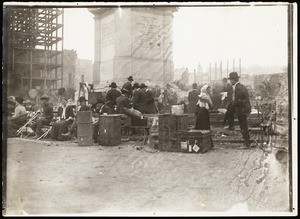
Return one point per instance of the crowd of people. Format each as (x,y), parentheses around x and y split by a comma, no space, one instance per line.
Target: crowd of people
(235,99)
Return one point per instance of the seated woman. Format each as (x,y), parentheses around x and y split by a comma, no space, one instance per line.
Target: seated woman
(18,119)
(65,118)
(203,105)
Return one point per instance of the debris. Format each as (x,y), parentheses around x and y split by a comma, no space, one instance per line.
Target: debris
(138,148)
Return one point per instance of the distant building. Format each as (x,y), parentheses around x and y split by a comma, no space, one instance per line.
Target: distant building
(70,57)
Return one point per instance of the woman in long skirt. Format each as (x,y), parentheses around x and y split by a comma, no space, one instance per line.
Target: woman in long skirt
(203,105)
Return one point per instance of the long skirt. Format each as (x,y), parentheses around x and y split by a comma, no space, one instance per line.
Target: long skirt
(13,124)
(59,128)
(202,120)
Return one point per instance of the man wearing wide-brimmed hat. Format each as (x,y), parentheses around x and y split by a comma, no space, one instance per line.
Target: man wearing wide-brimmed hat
(241,106)
(128,85)
(46,118)
(112,95)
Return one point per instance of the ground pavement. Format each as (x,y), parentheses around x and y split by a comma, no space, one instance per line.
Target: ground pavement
(59,178)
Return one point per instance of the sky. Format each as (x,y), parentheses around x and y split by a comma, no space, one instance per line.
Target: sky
(255,34)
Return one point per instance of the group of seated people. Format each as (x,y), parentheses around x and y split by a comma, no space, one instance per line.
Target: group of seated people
(136,96)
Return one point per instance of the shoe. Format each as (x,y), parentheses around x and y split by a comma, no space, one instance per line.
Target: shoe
(66,134)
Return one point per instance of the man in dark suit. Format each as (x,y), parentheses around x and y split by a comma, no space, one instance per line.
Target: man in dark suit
(45,119)
(241,106)
(112,95)
(139,99)
(83,107)
(123,101)
(128,85)
(227,92)
(193,99)
(150,109)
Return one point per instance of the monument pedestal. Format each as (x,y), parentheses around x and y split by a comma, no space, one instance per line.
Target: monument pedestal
(133,41)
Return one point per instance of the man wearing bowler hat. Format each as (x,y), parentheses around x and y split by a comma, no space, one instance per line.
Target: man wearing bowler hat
(112,95)
(128,85)
(139,99)
(45,119)
(241,106)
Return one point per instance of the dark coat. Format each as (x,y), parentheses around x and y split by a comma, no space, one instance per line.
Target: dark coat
(85,108)
(139,101)
(48,112)
(69,112)
(112,96)
(122,102)
(229,89)
(150,102)
(241,102)
(128,86)
(193,99)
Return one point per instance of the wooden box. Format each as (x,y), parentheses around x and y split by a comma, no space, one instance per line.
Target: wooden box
(196,141)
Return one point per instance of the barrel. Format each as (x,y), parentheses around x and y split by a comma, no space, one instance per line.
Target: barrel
(84,128)
(110,130)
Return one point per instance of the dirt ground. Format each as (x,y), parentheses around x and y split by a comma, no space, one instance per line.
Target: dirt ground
(61,178)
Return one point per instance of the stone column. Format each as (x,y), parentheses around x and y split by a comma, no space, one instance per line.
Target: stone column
(168,69)
(97,50)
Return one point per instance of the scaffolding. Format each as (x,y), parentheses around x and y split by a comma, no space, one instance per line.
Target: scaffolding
(35,48)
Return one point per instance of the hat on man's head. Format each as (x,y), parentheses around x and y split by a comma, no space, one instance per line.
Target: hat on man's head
(19,100)
(130,78)
(142,85)
(113,85)
(136,85)
(44,97)
(82,99)
(233,75)
(125,91)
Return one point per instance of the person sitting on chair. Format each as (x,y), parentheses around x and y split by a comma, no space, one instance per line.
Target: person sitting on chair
(83,107)
(65,118)
(18,119)
(45,119)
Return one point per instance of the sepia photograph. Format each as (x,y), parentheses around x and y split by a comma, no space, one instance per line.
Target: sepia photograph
(149,109)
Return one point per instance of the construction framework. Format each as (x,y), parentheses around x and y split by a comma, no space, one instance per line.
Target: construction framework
(35,47)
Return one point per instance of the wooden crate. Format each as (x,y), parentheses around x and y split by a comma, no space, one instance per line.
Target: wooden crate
(110,130)
(84,117)
(85,140)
